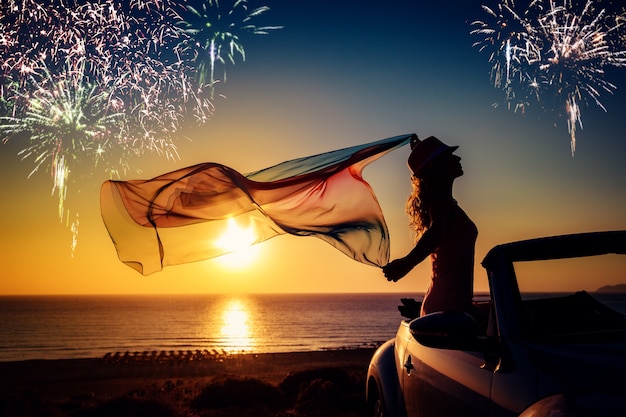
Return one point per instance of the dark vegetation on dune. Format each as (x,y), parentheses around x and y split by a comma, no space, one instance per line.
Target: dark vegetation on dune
(319,392)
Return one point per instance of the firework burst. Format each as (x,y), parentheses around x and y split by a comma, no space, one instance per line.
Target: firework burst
(553,51)
(66,123)
(212,34)
(92,83)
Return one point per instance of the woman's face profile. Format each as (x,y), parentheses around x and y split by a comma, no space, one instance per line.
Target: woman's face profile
(444,166)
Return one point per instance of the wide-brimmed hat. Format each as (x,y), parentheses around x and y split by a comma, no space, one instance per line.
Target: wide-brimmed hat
(425,151)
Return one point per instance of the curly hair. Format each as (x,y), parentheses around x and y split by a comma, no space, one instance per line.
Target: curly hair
(416,208)
(419,201)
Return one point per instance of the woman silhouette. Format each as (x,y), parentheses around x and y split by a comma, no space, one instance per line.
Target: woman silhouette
(443,230)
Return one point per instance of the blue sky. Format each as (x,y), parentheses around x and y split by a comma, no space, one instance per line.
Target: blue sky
(337,75)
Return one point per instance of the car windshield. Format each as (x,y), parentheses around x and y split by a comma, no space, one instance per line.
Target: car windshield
(577,299)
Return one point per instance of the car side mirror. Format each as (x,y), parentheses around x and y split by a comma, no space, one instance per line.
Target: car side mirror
(453,330)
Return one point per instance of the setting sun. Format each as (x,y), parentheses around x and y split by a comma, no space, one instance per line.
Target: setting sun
(239,243)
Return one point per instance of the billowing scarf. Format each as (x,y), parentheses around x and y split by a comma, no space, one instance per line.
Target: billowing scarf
(182,216)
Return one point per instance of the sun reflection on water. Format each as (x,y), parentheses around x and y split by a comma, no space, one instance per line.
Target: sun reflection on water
(235,329)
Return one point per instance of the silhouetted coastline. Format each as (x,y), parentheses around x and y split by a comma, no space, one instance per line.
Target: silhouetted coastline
(612,289)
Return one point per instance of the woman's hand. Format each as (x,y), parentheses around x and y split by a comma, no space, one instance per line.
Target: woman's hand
(398,268)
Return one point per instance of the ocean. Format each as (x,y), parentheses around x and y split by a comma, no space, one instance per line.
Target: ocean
(65,327)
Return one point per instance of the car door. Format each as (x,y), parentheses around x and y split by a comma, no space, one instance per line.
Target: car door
(445,382)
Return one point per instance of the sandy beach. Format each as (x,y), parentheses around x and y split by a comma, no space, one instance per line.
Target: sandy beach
(320,383)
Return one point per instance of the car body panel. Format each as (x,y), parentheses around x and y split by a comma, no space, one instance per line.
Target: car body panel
(457,377)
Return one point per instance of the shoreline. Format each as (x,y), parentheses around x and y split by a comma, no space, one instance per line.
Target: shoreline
(187,354)
(89,383)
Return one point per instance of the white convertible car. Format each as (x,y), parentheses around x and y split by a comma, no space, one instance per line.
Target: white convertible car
(548,340)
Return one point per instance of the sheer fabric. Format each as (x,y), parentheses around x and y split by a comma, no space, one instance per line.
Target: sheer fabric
(180,217)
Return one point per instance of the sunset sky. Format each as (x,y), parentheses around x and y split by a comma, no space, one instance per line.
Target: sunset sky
(340,74)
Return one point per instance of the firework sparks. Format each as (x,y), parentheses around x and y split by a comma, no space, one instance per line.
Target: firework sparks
(92,83)
(212,34)
(552,50)
(67,122)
